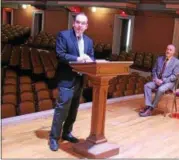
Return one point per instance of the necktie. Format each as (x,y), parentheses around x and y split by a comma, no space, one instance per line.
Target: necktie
(80,46)
(163,68)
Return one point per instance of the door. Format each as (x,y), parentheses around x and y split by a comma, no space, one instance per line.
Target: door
(38,23)
(116,36)
(122,34)
(71,18)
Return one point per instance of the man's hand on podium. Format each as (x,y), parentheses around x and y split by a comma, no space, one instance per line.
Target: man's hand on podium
(84,58)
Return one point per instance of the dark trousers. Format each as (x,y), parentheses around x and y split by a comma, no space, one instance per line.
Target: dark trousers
(66,109)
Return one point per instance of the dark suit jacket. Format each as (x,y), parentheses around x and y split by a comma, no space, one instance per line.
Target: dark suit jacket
(67,51)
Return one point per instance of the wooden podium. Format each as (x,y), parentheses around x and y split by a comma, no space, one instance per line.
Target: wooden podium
(99,72)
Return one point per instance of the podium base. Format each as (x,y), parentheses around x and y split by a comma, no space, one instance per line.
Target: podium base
(91,150)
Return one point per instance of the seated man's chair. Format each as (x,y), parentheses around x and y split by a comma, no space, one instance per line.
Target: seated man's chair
(167,97)
(176,95)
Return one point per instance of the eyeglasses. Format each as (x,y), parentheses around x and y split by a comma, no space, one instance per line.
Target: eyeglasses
(78,22)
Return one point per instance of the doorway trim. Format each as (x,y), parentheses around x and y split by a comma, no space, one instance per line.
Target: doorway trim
(33,20)
(4,16)
(175,40)
(70,19)
(116,33)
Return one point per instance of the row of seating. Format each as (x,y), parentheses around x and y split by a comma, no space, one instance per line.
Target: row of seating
(47,41)
(42,40)
(102,51)
(127,85)
(123,85)
(14,34)
(20,95)
(142,61)
(30,59)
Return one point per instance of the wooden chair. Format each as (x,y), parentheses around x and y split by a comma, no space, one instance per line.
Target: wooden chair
(176,95)
(167,96)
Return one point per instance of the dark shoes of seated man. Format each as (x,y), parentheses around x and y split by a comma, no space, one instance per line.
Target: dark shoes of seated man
(147,111)
(53,143)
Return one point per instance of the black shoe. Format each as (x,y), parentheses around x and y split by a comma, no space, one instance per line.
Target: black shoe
(144,109)
(53,143)
(147,113)
(69,137)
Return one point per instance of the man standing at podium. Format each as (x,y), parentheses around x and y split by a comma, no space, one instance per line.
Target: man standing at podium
(164,78)
(71,46)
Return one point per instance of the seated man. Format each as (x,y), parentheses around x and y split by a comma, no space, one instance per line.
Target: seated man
(164,77)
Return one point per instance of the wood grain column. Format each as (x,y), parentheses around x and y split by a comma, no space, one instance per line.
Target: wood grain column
(100,90)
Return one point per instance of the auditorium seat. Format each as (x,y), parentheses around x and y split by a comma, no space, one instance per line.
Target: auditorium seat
(40,86)
(9,98)
(27,96)
(122,57)
(45,104)
(139,90)
(121,86)
(43,41)
(25,87)
(139,60)
(25,79)
(36,62)
(142,79)
(26,107)
(15,57)
(8,110)
(9,88)
(148,61)
(6,54)
(47,65)
(11,73)
(2,76)
(98,51)
(130,56)
(53,58)
(113,57)
(43,94)
(14,34)
(10,80)
(130,86)
(54,93)
(25,59)
(139,85)
(128,92)
(111,90)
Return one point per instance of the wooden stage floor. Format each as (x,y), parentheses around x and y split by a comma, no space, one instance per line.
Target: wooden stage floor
(152,137)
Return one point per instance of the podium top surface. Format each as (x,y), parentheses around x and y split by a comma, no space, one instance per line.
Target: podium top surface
(102,67)
(103,62)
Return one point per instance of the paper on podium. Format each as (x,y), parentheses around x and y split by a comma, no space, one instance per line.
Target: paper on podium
(96,61)
(101,60)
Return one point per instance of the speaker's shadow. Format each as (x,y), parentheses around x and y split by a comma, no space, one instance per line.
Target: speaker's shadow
(63,145)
